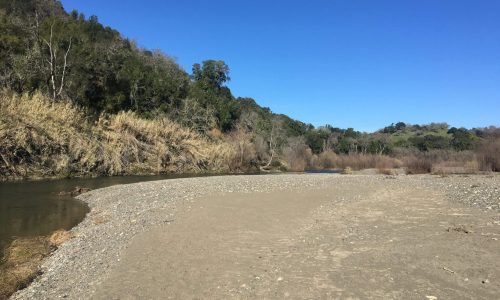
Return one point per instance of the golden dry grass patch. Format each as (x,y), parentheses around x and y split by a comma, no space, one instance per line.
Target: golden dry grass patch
(59,237)
(23,257)
(42,138)
(21,263)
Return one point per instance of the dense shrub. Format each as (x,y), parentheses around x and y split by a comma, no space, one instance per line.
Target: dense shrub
(417,165)
(326,160)
(297,155)
(330,160)
(489,155)
(439,162)
(244,157)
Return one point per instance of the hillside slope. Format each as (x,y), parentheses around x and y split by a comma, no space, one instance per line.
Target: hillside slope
(39,138)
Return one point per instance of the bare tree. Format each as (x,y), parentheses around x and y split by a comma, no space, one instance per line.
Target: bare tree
(197,117)
(275,141)
(364,143)
(57,84)
(381,142)
(333,141)
(272,145)
(353,145)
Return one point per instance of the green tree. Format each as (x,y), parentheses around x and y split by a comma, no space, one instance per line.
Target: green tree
(462,139)
(400,126)
(429,142)
(212,75)
(208,88)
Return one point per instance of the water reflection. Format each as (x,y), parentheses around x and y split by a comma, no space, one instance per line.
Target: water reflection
(35,208)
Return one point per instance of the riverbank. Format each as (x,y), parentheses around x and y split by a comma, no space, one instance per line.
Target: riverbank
(31,211)
(40,138)
(121,216)
(38,208)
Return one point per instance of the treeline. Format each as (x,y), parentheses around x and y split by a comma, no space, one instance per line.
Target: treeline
(72,57)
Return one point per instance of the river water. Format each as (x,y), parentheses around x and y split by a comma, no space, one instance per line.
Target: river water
(36,208)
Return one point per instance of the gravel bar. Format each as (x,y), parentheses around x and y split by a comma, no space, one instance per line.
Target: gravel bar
(119,213)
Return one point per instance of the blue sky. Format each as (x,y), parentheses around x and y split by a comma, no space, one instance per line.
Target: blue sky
(350,63)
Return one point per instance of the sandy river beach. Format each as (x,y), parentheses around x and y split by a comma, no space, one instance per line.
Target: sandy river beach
(297,236)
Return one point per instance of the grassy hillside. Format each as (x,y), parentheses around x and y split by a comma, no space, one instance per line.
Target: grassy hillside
(41,138)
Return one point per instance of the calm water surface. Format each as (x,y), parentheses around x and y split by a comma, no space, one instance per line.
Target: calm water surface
(35,208)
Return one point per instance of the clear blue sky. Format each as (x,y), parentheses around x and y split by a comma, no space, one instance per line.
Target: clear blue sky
(350,63)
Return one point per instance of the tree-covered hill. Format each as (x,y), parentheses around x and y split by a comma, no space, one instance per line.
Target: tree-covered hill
(68,56)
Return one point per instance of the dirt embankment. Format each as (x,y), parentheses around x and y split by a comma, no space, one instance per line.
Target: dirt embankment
(279,236)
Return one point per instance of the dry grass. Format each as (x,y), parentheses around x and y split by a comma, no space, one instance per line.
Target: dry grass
(488,156)
(297,156)
(134,145)
(417,165)
(21,263)
(440,162)
(435,162)
(39,138)
(455,167)
(326,160)
(347,171)
(60,237)
(330,160)
(241,156)
(22,259)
